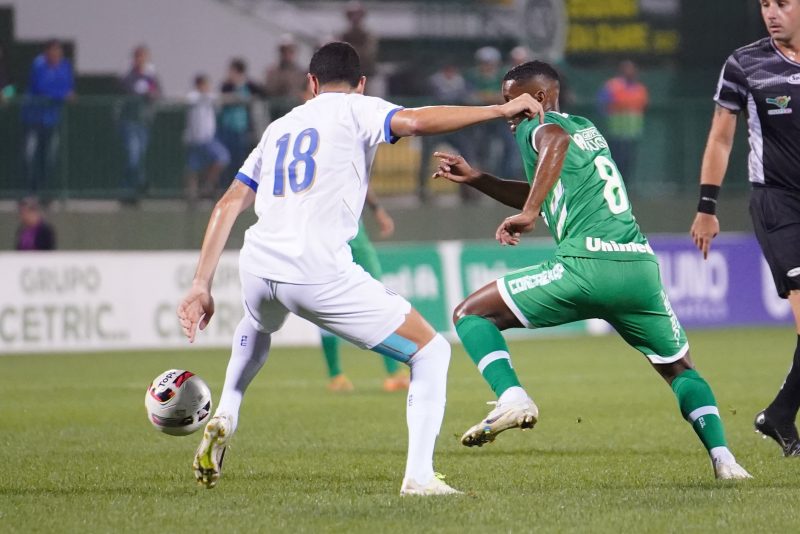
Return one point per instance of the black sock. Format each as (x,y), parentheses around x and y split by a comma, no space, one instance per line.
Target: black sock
(784,407)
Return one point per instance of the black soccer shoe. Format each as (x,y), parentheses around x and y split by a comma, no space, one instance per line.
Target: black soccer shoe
(785,434)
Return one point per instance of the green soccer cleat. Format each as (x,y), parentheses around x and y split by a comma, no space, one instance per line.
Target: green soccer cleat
(207,463)
(521,415)
(437,486)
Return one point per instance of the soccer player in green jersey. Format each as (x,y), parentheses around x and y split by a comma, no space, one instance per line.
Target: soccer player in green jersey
(603,268)
(365,255)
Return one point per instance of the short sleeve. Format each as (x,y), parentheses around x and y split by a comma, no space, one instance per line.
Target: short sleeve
(250,171)
(373,118)
(732,86)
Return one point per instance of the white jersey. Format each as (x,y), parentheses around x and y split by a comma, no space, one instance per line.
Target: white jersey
(310,172)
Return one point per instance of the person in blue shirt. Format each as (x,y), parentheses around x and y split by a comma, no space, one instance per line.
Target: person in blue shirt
(51,84)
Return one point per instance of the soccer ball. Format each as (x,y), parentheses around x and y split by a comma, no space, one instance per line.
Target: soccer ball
(178,402)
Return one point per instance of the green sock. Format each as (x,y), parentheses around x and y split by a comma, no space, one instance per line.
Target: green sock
(487,348)
(391,365)
(698,406)
(330,347)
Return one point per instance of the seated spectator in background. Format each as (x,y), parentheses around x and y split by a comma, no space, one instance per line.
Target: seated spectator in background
(286,81)
(33,233)
(446,86)
(235,120)
(206,156)
(519,55)
(142,89)
(495,146)
(624,99)
(365,43)
(51,84)
(6,87)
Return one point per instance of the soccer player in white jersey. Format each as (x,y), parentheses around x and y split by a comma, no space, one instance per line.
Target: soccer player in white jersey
(308,177)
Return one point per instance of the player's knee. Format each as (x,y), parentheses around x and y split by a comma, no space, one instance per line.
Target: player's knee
(465,308)
(438,347)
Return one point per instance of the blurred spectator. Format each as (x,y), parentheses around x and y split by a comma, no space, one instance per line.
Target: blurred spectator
(33,233)
(286,81)
(142,88)
(365,43)
(6,87)
(519,55)
(206,156)
(495,147)
(447,86)
(623,100)
(235,119)
(51,84)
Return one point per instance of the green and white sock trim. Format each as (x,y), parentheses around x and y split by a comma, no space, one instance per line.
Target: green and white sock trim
(493,357)
(700,412)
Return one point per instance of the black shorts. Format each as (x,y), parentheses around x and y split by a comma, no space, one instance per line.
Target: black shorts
(776,221)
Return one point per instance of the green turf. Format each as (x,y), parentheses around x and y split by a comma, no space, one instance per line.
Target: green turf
(611,452)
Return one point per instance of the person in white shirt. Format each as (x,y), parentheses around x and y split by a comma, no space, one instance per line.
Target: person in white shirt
(206,155)
(308,177)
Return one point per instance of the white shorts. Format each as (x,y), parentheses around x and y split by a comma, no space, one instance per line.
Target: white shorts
(355,307)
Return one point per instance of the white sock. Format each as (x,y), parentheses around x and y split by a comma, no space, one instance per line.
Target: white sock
(513,394)
(722,455)
(248,354)
(426,399)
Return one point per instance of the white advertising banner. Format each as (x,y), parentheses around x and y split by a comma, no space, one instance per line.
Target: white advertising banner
(75,301)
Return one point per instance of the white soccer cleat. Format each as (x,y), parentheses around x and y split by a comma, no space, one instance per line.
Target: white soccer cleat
(436,486)
(521,415)
(730,471)
(207,463)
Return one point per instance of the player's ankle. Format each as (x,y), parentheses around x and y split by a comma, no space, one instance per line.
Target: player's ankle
(722,455)
(513,394)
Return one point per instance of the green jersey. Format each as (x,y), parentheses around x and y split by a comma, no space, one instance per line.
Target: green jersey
(587,210)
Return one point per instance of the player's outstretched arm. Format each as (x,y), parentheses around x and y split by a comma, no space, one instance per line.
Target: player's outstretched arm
(434,120)
(715,162)
(197,306)
(456,169)
(553,143)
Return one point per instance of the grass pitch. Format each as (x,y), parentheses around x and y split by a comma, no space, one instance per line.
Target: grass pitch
(611,452)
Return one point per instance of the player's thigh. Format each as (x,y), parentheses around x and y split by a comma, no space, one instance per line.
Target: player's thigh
(776,221)
(361,310)
(642,314)
(261,306)
(548,294)
(364,253)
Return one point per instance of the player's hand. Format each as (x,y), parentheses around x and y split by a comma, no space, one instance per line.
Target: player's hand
(510,230)
(454,168)
(385,222)
(525,105)
(195,310)
(704,228)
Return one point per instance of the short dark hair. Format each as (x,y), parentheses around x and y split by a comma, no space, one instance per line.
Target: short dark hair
(531,69)
(200,79)
(239,65)
(336,62)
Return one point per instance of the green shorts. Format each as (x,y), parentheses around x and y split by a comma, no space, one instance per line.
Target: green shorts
(364,253)
(627,294)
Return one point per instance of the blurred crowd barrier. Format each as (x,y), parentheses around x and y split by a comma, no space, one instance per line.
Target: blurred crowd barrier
(89,157)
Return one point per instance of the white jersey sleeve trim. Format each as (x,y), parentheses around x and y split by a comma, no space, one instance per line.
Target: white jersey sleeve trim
(533,136)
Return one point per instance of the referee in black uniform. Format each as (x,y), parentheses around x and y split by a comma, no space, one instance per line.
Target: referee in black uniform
(763,80)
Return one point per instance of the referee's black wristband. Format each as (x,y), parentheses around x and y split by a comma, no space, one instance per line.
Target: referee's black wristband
(708,199)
